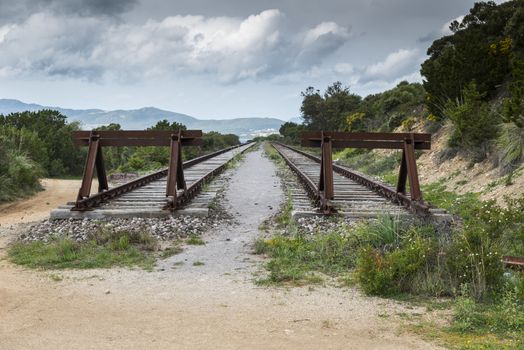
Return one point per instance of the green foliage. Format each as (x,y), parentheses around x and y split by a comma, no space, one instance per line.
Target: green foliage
(489,231)
(478,50)
(371,163)
(387,110)
(295,259)
(45,137)
(328,111)
(513,108)
(105,248)
(510,145)
(504,318)
(394,264)
(291,132)
(194,240)
(338,109)
(18,174)
(473,121)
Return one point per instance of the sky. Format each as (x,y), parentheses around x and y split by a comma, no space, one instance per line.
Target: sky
(210,58)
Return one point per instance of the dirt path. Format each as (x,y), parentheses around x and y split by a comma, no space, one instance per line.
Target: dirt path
(56,192)
(182,306)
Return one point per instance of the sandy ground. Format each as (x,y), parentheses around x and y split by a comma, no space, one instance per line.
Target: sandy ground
(56,192)
(182,306)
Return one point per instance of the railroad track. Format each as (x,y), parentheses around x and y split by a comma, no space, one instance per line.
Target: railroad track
(146,196)
(356,195)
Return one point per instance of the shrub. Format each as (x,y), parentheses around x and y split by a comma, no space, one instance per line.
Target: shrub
(511,147)
(394,272)
(470,115)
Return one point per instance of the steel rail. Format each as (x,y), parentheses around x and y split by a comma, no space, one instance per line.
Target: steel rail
(513,261)
(417,207)
(95,200)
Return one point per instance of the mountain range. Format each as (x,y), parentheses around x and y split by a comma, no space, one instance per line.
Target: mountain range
(139,119)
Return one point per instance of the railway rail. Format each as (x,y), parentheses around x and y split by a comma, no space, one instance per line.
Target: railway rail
(146,196)
(355,194)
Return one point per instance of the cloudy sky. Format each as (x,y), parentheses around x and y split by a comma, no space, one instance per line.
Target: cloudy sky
(211,58)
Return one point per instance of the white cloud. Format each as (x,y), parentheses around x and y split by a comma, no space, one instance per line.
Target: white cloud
(344,68)
(445,28)
(396,64)
(228,48)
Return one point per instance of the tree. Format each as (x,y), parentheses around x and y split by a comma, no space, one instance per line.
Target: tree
(328,112)
(291,132)
(165,125)
(479,49)
(474,123)
(51,127)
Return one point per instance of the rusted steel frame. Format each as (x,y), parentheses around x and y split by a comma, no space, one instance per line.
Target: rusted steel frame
(96,139)
(101,171)
(96,199)
(311,188)
(175,173)
(513,261)
(366,136)
(137,137)
(325,186)
(94,160)
(408,169)
(140,142)
(381,189)
(365,144)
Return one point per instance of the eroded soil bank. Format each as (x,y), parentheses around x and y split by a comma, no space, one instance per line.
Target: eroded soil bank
(203,298)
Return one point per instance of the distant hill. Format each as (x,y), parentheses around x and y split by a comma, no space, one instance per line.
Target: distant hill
(138,119)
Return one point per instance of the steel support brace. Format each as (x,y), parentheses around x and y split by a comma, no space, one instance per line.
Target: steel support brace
(94,160)
(175,175)
(408,169)
(325,187)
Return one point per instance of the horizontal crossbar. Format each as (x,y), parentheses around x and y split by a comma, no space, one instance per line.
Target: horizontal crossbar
(366,139)
(366,136)
(366,144)
(138,137)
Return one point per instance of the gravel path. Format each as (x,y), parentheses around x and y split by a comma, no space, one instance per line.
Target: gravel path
(183,305)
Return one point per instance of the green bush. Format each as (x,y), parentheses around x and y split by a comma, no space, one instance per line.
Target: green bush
(504,315)
(471,116)
(395,271)
(488,232)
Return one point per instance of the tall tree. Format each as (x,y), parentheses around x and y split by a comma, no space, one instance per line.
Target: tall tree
(329,111)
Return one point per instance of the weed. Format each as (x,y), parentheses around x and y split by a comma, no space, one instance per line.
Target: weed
(105,248)
(170,251)
(284,219)
(56,277)
(195,240)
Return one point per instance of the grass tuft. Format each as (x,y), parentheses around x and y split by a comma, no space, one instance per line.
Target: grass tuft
(195,240)
(105,248)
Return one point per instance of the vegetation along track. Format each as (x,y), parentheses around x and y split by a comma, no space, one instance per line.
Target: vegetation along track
(146,196)
(356,195)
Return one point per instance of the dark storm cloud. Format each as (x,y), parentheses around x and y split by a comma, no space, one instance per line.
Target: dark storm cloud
(16,10)
(228,40)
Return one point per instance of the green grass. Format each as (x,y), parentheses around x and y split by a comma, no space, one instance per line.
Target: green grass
(195,240)
(105,248)
(198,263)
(272,153)
(284,219)
(298,260)
(170,251)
